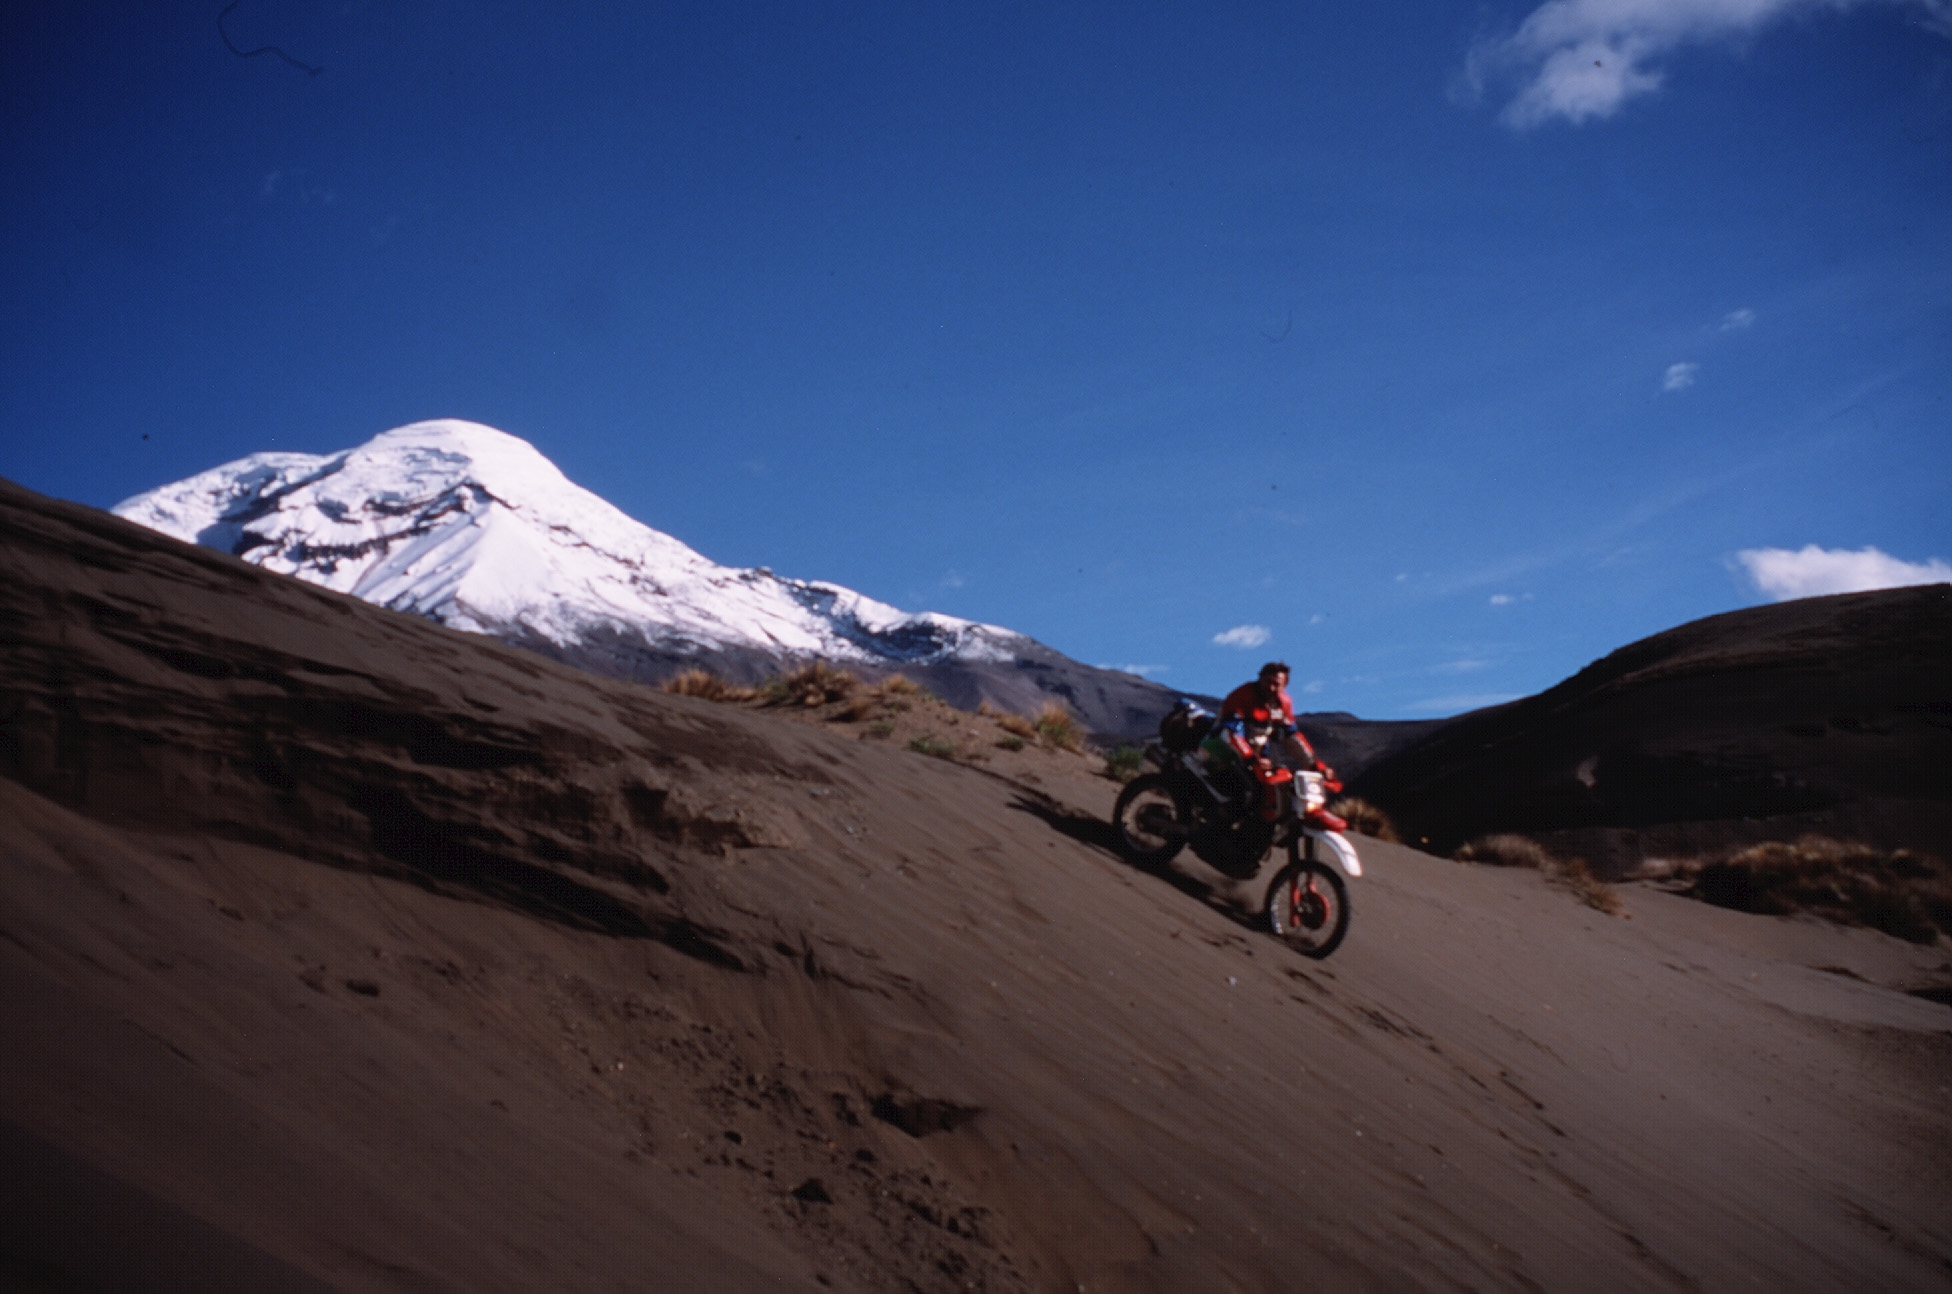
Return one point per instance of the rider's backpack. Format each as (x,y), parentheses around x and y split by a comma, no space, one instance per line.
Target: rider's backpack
(1185,727)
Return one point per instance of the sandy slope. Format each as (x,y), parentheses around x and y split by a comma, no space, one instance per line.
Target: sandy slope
(338,949)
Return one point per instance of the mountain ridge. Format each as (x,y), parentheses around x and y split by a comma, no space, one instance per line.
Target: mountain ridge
(473,528)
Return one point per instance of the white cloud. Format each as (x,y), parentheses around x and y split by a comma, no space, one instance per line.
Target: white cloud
(953,580)
(1243,636)
(1317,618)
(1679,377)
(1311,687)
(1143,671)
(1501,599)
(1579,59)
(1737,320)
(1810,572)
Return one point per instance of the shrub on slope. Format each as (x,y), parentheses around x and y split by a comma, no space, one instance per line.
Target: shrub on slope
(1509,850)
(1365,818)
(1898,892)
(706,686)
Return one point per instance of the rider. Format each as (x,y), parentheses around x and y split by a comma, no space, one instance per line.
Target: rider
(1250,717)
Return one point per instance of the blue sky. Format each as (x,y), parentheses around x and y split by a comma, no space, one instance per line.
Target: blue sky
(1437,349)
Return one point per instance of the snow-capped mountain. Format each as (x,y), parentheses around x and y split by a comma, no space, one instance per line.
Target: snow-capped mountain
(475,529)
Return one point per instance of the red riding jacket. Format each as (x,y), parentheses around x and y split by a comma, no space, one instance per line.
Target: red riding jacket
(1247,722)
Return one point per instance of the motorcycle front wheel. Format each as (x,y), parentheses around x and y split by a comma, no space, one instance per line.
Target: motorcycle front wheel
(1308,907)
(1149,821)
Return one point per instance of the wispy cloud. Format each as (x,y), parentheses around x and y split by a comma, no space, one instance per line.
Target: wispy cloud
(1575,60)
(1243,636)
(1737,320)
(1808,572)
(1311,687)
(1603,538)
(1679,377)
(1441,706)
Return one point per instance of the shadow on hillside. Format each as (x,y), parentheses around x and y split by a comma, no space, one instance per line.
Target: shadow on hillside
(1103,836)
(1065,820)
(448,859)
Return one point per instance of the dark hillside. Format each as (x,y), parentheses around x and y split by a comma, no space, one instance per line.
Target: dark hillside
(1828,715)
(1352,745)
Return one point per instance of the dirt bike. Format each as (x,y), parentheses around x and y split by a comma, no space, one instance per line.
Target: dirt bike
(1215,808)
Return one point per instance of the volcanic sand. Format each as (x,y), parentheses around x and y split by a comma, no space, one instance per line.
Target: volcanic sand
(344,951)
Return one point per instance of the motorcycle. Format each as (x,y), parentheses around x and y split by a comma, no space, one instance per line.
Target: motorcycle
(1215,809)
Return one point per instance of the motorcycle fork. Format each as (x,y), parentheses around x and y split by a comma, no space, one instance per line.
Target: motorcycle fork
(1304,884)
(1289,833)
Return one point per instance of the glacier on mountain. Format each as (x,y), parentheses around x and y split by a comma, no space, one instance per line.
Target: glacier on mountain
(475,529)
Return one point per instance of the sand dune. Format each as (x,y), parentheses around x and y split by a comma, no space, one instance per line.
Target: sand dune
(340,950)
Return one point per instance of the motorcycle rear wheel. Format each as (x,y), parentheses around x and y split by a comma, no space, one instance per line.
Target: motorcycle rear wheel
(1307,907)
(1149,821)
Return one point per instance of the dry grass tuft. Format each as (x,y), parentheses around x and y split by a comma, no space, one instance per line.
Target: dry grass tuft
(899,685)
(1365,819)
(1898,892)
(1058,728)
(1509,850)
(1017,726)
(1506,851)
(706,686)
(857,708)
(815,683)
(930,744)
(1123,764)
(1591,891)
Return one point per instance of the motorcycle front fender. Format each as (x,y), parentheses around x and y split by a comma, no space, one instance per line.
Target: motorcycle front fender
(1338,849)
